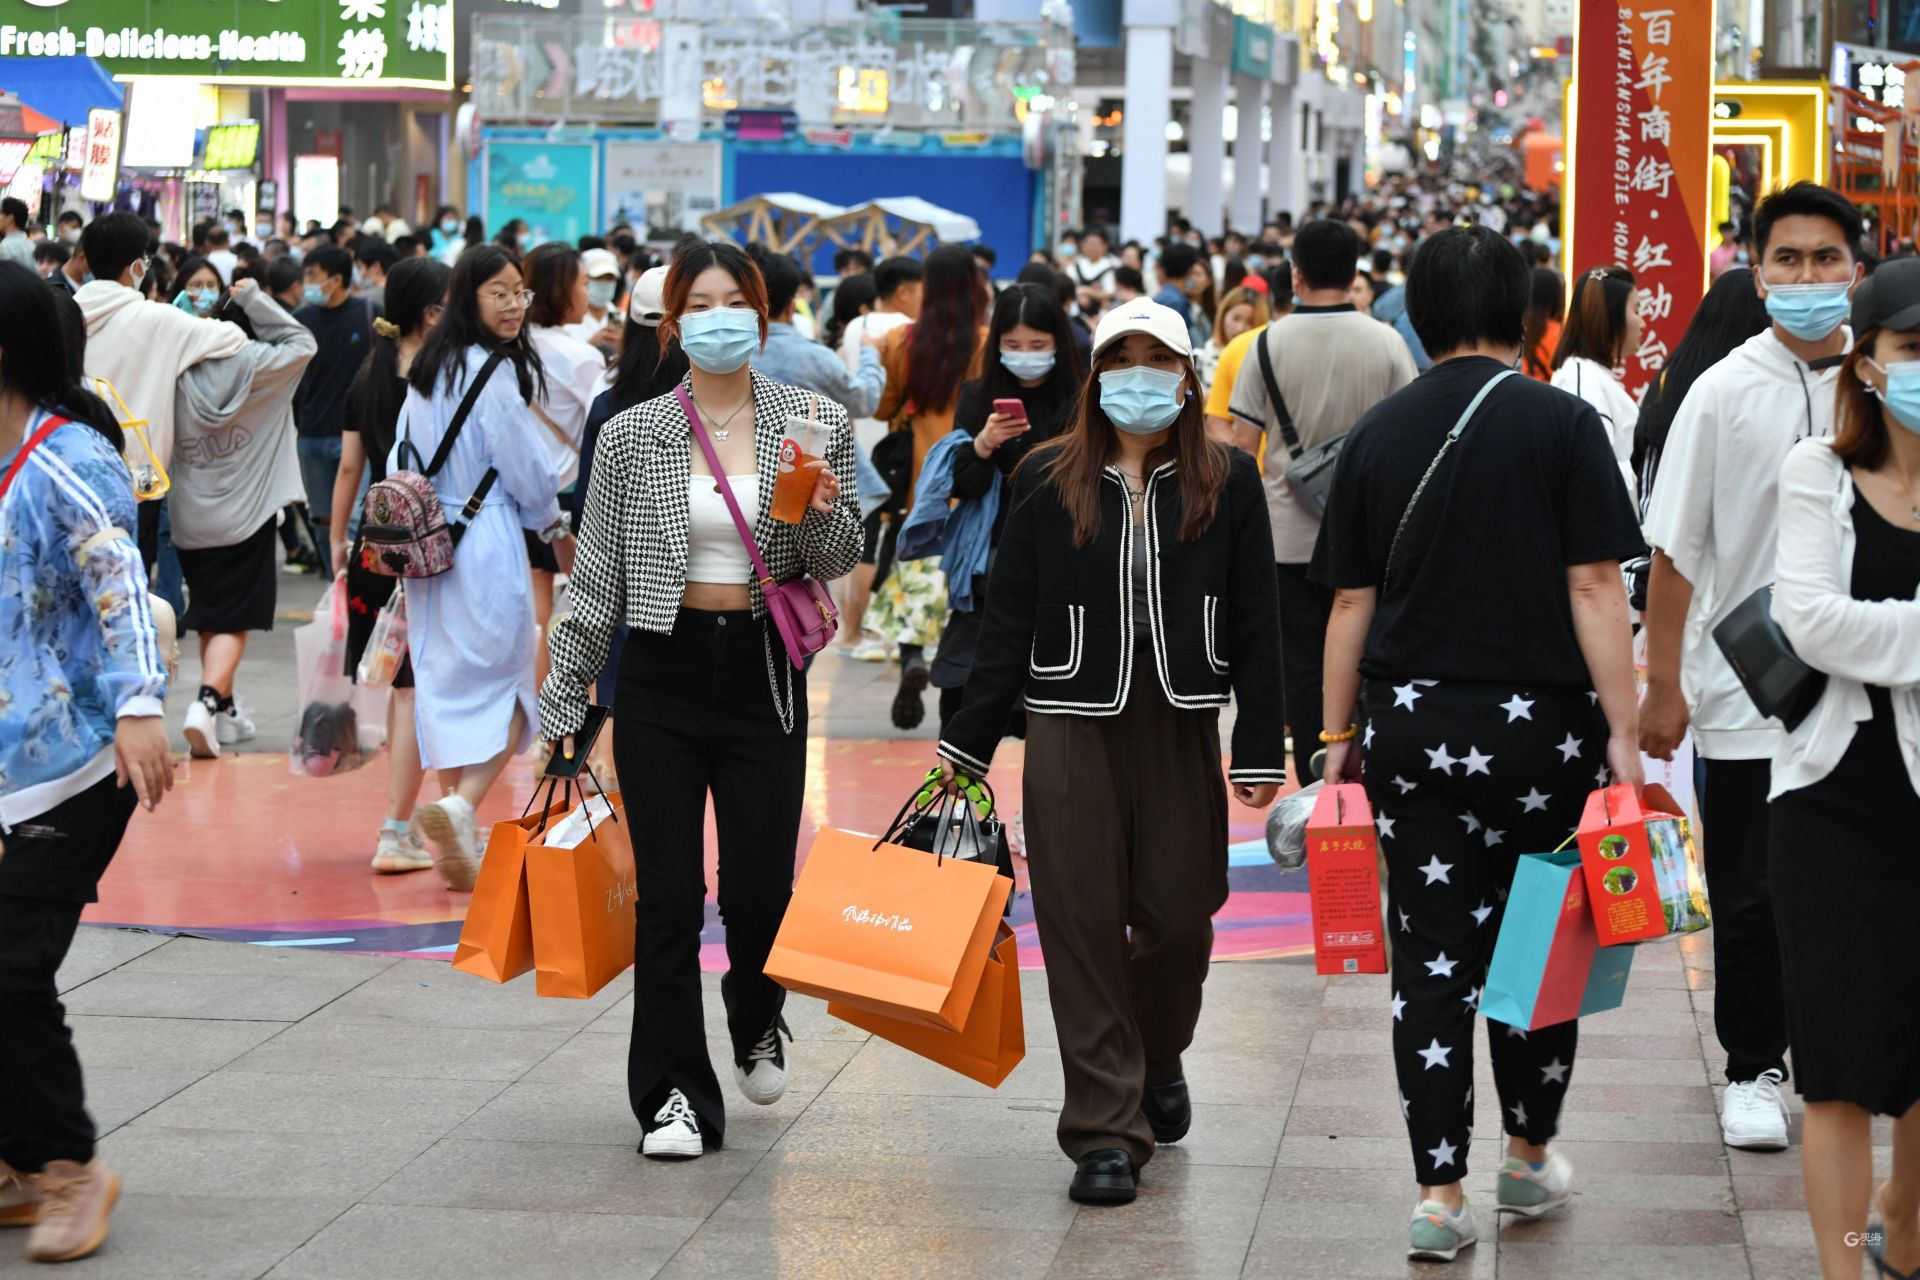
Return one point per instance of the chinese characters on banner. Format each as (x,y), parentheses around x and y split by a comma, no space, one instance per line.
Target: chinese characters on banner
(100,167)
(1639,170)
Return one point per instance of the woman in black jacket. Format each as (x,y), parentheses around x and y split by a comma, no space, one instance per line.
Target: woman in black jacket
(1132,593)
(1034,361)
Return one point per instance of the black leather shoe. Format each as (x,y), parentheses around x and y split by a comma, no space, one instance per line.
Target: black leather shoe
(1104,1177)
(1168,1108)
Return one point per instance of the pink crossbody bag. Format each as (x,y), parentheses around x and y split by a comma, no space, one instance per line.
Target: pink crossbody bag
(802,610)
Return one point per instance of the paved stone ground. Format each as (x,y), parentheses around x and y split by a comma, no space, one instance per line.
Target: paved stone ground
(295,1114)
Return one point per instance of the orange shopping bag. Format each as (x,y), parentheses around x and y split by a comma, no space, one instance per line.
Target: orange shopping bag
(994,1040)
(580,884)
(891,930)
(496,942)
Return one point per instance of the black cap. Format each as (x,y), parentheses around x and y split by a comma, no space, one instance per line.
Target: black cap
(1890,298)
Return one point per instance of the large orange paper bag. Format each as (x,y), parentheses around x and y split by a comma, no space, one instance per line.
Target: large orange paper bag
(496,942)
(580,884)
(992,1043)
(889,930)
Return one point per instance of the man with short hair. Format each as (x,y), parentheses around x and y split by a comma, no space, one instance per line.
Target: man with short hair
(48,257)
(1128,284)
(1306,380)
(1712,520)
(788,356)
(1093,269)
(17,246)
(852,262)
(1184,277)
(220,255)
(342,328)
(69,224)
(372,259)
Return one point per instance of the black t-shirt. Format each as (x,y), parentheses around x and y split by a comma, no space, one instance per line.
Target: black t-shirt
(1479,584)
(344,335)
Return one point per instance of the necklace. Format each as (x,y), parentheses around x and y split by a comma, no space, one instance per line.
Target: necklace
(720,431)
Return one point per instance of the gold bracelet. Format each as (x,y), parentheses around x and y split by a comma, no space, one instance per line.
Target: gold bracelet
(1353,731)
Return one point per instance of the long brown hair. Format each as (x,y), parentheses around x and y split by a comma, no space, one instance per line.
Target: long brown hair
(1859,430)
(1075,460)
(1597,319)
(942,342)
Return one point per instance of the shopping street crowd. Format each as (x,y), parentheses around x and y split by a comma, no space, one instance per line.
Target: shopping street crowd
(1091,505)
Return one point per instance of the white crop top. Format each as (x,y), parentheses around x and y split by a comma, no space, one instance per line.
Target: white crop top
(715,552)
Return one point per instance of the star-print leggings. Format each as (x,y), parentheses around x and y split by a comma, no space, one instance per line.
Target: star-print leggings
(1463,779)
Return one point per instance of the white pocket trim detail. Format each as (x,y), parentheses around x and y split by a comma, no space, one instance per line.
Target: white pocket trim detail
(1076,649)
(1210,607)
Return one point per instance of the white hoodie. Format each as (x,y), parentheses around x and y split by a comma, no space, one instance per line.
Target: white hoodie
(142,348)
(1715,512)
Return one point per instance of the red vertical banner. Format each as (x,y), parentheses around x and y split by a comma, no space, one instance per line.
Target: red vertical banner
(1639,169)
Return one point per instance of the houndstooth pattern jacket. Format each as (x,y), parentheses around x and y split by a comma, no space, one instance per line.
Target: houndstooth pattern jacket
(631,564)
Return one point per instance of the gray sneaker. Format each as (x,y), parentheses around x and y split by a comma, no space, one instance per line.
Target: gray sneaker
(1530,1192)
(1439,1236)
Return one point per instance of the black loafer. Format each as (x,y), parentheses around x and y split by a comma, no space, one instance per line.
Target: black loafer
(1168,1108)
(1104,1177)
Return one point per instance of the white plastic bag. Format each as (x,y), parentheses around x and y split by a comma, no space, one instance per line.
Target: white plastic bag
(326,738)
(571,831)
(1287,827)
(387,648)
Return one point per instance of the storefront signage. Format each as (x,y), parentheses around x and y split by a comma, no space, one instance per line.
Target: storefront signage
(100,174)
(316,190)
(1639,169)
(1875,75)
(549,185)
(1206,30)
(1252,48)
(665,186)
(329,42)
(232,146)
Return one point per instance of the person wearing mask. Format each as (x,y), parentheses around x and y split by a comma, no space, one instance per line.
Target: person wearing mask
(1240,310)
(448,240)
(235,468)
(69,224)
(1730,314)
(707,701)
(793,360)
(1603,328)
(1712,521)
(342,325)
(197,288)
(82,743)
(1038,365)
(1310,375)
(372,259)
(926,362)
(515,236)
(1479,681)
(1126,818)
(142,351)
(600,327)
(1545,307)
(470,630)
(15,244)
(1846,783)
(417,293)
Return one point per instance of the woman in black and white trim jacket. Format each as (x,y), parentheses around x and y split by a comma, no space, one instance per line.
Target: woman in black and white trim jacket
(1133,592)
(706,697)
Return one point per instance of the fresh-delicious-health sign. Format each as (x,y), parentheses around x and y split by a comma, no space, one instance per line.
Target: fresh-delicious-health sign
(1639,171)
(332,42)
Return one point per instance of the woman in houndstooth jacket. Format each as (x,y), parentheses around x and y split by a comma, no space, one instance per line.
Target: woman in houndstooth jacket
(706,699)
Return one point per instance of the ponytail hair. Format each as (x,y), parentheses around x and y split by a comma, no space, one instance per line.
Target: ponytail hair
(413,286)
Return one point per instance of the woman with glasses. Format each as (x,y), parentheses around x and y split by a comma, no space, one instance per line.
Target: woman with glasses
(470,631)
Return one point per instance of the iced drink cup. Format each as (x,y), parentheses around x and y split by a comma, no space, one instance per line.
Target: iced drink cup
(805,442)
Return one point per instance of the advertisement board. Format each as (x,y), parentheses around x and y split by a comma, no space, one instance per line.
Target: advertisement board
(665,187)
(316,190)
(550,185)
(100,169)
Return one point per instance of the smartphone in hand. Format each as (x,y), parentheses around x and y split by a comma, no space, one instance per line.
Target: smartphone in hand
(1010,409)
(559,766)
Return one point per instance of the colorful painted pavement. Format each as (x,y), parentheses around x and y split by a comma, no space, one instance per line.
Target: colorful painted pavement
(243,850)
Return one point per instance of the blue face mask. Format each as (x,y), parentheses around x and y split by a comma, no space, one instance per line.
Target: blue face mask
(599,294)
(1027,364)
(205,300)
(1809,312)
(720,340)
(314,296)
(1902,395)
(449,225)
(1139,400)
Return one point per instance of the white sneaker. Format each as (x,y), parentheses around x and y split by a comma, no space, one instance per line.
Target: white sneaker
(447,824)
(1753,1115)
(870,649)
(201,731)
(763,1076)
(1438,1235)
(396,853)
(676,1132)
(233,726)
(1530,1192)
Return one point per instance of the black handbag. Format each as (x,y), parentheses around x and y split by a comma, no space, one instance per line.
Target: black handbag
(1759,652)
(959,824)
(1310,473)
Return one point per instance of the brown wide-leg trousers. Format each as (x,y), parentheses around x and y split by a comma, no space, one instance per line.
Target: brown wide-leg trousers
(1126,820)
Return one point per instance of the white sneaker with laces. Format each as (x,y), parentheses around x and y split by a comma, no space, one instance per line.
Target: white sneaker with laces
(1753,1116)
(1438,1235)
(1530,1192)
(763,1076)
(396,853)
(676,1132)
(233,726)
(201,731)
(870,649)
(447,824)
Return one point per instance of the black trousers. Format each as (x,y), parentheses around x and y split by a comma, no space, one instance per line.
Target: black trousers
(1749,991)
(1305,607)
(1463,779)
(52,865)
(697,718)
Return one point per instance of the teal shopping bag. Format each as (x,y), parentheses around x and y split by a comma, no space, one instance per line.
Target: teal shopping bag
(1548,966)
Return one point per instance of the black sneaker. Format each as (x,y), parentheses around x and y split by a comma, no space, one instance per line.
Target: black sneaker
(908,709)
(762,1075)
(1104,1177)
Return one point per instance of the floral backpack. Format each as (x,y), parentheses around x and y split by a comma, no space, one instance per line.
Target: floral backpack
(404,531)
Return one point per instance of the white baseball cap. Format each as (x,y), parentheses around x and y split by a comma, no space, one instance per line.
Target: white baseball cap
(648,305)
(600,262)
(1159,322)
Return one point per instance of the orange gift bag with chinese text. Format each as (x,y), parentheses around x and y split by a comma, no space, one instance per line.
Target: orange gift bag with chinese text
(496,941)
(994,1039)
(581,889)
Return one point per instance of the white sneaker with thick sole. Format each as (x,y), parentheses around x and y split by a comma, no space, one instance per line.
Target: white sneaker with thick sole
(233,726)
(1438,1235)
(201,731)
(869,650)
(676,1132)
(763,1076)
(448,826)
(1530,1192)
(396,853)
(1753,1116)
